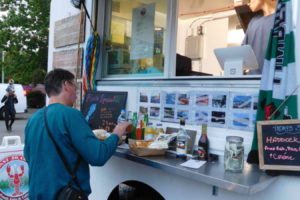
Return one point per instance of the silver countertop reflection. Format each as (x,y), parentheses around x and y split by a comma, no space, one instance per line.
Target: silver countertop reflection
(250,181)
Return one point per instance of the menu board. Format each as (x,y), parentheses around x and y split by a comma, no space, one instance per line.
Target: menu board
(102,108)
(279,144)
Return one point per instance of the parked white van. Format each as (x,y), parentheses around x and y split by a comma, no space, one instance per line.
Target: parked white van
(21,106)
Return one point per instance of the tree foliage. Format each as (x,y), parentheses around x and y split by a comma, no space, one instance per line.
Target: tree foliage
(24,37)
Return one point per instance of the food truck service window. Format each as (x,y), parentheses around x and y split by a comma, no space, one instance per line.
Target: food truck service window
(160,39)
(135,34)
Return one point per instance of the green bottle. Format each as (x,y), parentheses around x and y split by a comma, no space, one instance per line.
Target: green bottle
(134,124)
(146,121)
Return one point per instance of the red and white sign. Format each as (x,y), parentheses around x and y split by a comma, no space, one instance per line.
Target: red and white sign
(13,171)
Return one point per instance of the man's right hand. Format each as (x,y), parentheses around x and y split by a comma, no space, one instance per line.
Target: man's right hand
(120,129)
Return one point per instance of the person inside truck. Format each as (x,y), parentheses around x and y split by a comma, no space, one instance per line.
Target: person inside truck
(258,31)
(9,100)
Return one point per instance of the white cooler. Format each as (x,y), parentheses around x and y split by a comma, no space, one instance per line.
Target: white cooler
(13,170)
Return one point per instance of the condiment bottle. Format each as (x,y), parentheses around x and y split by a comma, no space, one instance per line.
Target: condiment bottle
(122,117)
(138,132)
(182,140)
(149,132)
(203,144)
(145,122)
(129,116)
(134,124)
(234,154)
(140,124)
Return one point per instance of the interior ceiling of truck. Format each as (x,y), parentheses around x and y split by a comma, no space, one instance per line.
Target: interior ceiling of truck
(187,8)
(193,8)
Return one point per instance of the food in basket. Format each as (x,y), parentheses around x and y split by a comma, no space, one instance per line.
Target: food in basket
(162,141)
(143,144)
(101,134)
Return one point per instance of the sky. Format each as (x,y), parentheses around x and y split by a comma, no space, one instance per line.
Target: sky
(2,13)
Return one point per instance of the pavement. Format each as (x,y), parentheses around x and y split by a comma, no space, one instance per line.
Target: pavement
(18,126)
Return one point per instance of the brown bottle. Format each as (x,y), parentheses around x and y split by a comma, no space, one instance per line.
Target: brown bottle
(203,144)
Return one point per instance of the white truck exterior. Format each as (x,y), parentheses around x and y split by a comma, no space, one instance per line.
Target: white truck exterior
(117,170)
(21,106)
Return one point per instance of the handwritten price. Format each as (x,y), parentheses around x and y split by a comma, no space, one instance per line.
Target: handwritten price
(276,156)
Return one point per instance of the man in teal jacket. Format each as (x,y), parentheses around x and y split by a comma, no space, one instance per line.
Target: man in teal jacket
(47,173)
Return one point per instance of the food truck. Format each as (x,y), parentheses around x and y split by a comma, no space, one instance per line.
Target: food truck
(162,54)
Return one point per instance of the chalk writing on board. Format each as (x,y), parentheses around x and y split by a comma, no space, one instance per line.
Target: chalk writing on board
(286,129)
(272,139)
(102,99)
(279,144)
(91,111)
(102,108)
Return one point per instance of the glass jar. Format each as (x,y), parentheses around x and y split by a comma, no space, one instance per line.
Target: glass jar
(234,154)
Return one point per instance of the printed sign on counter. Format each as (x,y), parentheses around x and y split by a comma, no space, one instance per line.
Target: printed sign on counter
(14,184)
(279,144)
(102,108)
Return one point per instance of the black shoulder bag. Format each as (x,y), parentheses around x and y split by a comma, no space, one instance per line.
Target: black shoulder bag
(67,192)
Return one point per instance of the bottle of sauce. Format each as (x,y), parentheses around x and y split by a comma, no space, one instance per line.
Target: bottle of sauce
(203,144)
(145,122)
(182,140)
(140,125)
(134,125)
(138,132)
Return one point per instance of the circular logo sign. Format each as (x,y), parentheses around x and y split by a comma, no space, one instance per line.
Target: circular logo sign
(14,178)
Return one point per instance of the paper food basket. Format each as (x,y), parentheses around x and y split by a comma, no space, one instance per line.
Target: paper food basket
(13,170)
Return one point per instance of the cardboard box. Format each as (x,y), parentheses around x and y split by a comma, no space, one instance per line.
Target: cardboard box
(144,151)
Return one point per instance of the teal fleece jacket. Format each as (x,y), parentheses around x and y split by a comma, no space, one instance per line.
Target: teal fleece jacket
(47,173)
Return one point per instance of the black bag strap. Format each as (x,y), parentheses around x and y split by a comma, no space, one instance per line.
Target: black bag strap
(73,174)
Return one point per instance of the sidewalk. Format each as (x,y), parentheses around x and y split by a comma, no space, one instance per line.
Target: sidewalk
(18,126)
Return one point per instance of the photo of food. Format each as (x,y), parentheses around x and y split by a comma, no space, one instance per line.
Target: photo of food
(218,117)
(202,99)
(255,101)
(143,109)
(219,101)
(170,98)
(183,99)
(242,102)
(201,116)
(143,97)
(154,111)
(155,97)
(169,113)
(241,119)
(253,119)
(183,114)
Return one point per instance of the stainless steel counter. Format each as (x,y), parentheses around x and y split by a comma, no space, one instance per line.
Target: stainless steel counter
(249,182)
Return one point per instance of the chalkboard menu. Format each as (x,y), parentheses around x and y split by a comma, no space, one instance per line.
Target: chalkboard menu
(279,144)
(102,108)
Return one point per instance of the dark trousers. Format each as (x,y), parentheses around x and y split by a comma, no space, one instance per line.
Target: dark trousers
(9,119)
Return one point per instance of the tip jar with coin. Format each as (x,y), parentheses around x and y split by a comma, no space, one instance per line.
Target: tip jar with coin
(234,154)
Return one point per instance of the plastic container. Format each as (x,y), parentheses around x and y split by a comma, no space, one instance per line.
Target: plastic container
(149,132)
(159,129)
(234,154)
(122,117)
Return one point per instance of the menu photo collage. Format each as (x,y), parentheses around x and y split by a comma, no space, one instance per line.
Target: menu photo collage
(219,109)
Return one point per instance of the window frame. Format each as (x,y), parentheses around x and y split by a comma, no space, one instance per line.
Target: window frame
(103,17)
